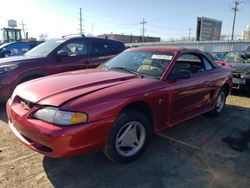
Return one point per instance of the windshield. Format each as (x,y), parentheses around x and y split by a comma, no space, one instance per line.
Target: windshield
(145,63)
(234,58)
(218,56)
(44,49)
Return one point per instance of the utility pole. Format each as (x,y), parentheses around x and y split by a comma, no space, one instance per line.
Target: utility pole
(143,29)
(23,27)
(189,33)
(235,9)
(81,31)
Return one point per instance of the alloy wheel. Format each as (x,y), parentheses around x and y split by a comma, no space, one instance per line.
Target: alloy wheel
(130,139)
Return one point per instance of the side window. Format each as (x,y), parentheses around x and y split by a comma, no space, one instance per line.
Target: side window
(207,64)
(101,48)
(76,48)
(189,62)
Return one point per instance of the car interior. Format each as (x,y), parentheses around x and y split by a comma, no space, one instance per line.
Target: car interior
(153,67)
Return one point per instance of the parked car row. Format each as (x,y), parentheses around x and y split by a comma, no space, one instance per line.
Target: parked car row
(55,56)
(114,107)
(240,64)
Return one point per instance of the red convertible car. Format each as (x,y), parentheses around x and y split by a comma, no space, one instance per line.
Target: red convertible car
(117,106)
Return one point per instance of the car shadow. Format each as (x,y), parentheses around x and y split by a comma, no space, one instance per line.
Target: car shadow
(3,114)
(173,158)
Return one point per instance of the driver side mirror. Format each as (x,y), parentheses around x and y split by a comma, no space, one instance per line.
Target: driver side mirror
(181,74)
(62,53)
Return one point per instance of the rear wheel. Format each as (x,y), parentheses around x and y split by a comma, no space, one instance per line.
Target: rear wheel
(220,102)
(129,137)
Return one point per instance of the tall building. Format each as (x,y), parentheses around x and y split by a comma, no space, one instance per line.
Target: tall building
(246,33)
(130,38)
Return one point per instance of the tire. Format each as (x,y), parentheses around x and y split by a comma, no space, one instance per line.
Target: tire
(128,137)
(220,102)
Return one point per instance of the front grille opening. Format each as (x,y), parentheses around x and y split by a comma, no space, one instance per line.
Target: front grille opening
(38,146)
(28,139)
(27,104)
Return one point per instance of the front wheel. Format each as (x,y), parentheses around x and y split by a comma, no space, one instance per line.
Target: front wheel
(128,137)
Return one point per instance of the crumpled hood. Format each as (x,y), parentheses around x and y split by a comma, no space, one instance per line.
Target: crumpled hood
(242,68)
(16,59)
(57,89)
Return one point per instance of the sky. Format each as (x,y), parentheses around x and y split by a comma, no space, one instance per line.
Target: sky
(165,18)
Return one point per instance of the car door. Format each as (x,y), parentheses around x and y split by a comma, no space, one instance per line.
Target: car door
(101,51)
(192,95)
(76,56)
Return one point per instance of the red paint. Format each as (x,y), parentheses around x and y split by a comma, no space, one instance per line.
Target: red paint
(103,95)
(224,64)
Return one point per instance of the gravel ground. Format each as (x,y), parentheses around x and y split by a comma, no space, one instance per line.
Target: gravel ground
(189,155)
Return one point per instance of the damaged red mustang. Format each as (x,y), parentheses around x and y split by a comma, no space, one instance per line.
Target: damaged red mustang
(117,106)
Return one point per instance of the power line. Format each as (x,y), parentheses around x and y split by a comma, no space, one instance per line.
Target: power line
(218,6)
(166,28)
(109,22)
(143,29)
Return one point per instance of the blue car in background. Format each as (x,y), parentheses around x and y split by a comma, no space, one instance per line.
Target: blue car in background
(17,48)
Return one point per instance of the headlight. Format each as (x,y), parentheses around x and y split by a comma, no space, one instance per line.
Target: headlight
(54,115)
(6,68)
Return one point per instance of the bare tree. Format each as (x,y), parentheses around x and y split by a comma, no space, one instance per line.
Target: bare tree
(43,37)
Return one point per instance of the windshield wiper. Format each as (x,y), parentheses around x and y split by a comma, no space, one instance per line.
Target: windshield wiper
(106,67)
(128,70)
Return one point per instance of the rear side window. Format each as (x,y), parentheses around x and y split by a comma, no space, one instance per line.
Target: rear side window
(192,63)
(207,64)
(101,48)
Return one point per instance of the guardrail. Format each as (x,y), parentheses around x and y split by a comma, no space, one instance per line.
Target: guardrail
(209,46)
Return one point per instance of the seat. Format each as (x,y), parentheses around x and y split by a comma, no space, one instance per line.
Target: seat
(148,67)
(180,66)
